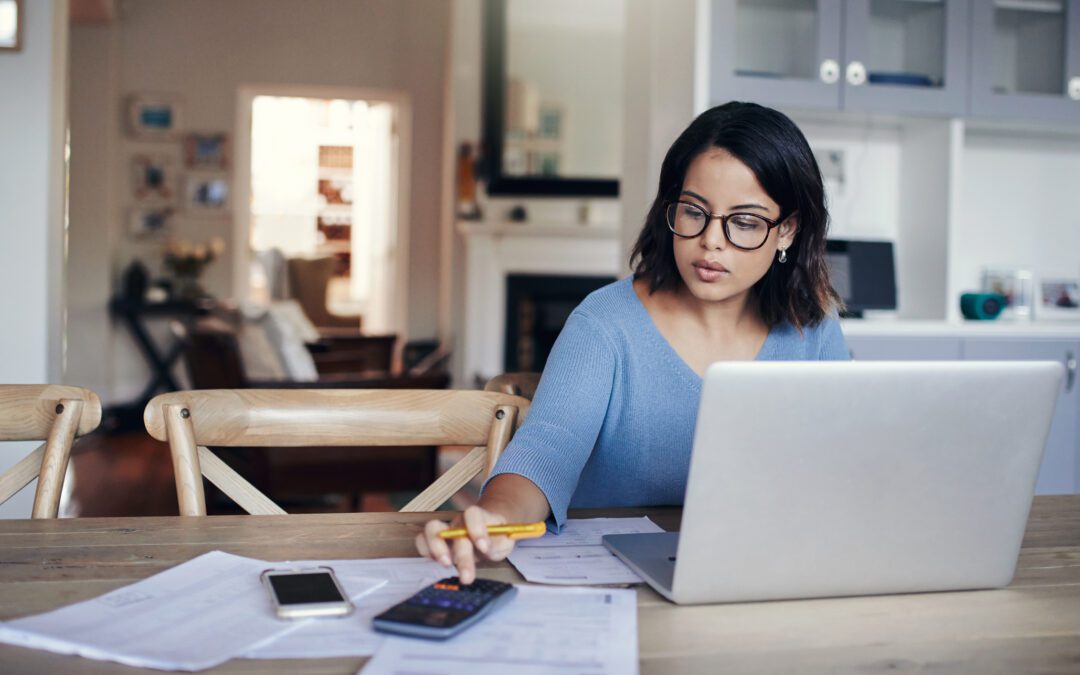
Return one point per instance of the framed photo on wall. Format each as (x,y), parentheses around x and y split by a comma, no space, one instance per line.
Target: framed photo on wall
(206,150)
(206,192)
(11,22)
(148,222)
(154,117)
(153,179)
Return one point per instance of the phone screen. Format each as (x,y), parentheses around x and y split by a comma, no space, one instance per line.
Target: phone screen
(303,589)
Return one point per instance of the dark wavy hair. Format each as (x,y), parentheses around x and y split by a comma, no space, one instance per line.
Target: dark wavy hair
(770,144)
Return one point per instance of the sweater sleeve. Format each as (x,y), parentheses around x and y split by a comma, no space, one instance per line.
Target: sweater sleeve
(833,346)
(568,410)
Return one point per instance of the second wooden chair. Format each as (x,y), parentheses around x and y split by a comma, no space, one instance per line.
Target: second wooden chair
(55,414)
(192,420)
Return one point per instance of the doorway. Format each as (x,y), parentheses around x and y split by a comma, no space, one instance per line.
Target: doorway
(321,175)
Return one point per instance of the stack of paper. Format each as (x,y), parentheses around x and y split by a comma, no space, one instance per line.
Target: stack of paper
(193,616)
(577,556)
(542,631)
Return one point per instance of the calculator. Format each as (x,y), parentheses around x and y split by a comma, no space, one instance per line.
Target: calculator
(444,608)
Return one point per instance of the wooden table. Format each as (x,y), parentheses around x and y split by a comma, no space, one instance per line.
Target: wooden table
(1031,626)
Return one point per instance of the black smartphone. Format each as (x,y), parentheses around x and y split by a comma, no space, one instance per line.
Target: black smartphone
(300,593)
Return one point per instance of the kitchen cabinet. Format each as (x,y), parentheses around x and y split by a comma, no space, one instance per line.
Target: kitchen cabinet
(891,56)
(1025,60)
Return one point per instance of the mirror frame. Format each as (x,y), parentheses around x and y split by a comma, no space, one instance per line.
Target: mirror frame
(494,104)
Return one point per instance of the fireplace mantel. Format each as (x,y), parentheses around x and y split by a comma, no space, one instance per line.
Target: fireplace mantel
(495,249)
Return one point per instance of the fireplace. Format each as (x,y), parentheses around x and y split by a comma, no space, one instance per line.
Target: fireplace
(537,306)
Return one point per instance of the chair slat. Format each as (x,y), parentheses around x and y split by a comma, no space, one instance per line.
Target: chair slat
(316,417)
(27,411)
(192,420)
(233,484)
(20,475)
(55,460)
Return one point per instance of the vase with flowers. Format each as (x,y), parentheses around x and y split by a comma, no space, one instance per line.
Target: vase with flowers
(187,260)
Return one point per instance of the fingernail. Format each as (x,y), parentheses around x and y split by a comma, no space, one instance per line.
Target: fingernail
(482,544)
(445,560)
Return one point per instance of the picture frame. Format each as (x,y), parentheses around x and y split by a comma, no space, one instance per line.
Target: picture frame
(155,117)
(206,150)
(207,193)
(1016,285)
(11,25)
(154,179)
(1058,299)
(150,222)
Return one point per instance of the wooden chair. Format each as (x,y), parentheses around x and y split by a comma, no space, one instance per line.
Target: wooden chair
(55,414)
(192,420)
(516,384)
(308,282)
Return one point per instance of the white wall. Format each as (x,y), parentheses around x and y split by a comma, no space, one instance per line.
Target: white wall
(203,51)
(1018,207)
(31,211)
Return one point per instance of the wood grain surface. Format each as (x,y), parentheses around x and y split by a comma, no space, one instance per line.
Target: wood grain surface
(1031,626)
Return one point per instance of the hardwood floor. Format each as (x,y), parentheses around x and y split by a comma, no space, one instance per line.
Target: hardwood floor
(130,474)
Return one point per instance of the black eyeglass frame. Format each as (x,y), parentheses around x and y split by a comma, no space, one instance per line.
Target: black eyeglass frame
(709,217)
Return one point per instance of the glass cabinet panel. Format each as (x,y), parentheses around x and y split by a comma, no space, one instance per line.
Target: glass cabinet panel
(1029,47)
(906,43)
(776,38)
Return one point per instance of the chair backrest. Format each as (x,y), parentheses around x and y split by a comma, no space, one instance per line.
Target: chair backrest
(518,384)
(191,420)
(55,414)
(308,281)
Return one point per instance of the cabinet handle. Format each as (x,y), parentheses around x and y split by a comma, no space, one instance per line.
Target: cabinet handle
(856,73)
(1070,370)
(1074,88)
(829,72)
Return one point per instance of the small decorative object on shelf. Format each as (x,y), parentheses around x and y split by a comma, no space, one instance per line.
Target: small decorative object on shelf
(517,214)
(1058,299)
(186,261)
(135,280)
(1016,285)
(468,208)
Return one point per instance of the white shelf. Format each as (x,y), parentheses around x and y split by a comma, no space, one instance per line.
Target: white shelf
(537,229)
(998,328)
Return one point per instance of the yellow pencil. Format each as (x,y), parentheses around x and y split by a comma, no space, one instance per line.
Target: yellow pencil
(512,530)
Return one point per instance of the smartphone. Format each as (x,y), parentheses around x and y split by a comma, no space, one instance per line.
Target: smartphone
(300,593)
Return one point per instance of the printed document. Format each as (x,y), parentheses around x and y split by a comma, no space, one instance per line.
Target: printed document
(542,631)
(576,556)
(190,617)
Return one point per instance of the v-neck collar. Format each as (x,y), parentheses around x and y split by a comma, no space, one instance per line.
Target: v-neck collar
(665,348)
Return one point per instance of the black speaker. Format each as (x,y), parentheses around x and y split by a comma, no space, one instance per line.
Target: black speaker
(982,306)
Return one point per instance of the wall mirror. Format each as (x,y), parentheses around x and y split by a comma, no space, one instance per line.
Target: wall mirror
(553,96)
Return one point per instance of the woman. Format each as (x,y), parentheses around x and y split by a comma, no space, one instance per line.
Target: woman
(730,265)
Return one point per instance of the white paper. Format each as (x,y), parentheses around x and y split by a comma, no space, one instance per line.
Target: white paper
(542,631)
(353,635)
(190,617)
(577,556)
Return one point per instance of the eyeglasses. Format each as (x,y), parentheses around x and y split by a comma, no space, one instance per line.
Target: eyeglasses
(747,231)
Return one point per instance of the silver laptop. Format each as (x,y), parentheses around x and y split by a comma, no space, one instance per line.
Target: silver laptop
(853,478)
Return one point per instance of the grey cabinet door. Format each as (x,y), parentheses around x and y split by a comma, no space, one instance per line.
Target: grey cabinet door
(906,57)
(773,52)
(875,348)
(1023,59)
(1060,472)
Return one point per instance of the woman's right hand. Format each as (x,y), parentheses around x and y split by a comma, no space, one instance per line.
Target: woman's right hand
(462,552)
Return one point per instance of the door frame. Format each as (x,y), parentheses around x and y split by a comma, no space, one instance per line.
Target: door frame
(241,182)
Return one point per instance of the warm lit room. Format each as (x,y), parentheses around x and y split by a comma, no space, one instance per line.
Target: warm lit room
(540,336)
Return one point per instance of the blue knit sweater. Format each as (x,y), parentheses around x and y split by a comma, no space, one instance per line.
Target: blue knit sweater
(612,421)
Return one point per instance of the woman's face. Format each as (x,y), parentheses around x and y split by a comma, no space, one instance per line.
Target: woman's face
(712,269)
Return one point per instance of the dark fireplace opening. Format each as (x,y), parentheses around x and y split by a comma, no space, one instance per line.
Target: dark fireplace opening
(537,306)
